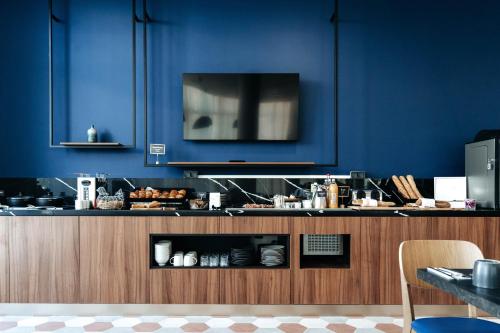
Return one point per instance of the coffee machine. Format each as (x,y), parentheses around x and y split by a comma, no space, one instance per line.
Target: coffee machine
(86,189)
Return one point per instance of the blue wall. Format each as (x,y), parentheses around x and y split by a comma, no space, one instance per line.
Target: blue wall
(417,80)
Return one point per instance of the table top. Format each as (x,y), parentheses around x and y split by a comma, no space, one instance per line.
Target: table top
(487,300)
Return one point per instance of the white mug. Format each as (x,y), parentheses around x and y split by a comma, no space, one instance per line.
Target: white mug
(177,259)
(190,260)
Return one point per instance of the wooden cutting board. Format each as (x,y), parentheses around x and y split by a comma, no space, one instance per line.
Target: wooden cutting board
(382,208)
(403,208)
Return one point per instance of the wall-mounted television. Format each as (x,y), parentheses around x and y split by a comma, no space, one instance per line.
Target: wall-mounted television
(241,107)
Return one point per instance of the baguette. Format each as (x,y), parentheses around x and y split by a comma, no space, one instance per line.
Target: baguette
(413,186)
(400,187)
(408,187)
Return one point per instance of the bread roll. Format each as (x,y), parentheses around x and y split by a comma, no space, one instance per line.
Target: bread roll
(408,187)
(154,204)
(400,187)
(139,206)
(413,185)
(442,204)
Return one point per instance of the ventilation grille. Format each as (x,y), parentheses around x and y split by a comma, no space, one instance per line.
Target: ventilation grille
(331,245)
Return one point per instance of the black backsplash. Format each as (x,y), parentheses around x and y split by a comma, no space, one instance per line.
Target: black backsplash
(266,188)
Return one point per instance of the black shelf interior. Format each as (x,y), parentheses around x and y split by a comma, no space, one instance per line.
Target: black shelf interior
(327,261)
(219,244)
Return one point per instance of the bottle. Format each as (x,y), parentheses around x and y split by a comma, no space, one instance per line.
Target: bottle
(333,194)
(92,134)
(320,198)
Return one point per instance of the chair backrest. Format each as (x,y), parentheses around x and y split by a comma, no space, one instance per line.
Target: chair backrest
(435,253)
(430,253)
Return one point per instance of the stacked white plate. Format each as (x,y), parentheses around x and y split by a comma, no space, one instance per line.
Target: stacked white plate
(272,255)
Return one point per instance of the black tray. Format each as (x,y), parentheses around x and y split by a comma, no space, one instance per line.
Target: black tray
(166,202)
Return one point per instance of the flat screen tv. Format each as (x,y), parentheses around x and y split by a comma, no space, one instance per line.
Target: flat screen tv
(241,107)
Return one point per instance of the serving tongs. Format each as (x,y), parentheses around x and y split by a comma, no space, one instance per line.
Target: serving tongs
(448,273)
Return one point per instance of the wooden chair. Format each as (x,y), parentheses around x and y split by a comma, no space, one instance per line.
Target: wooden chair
(436,253)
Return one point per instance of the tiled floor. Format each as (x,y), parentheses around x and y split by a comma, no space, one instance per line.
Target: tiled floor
(163,324)
(110,324)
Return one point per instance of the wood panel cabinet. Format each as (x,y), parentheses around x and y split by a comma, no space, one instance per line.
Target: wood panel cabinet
(327,285)
(381,237)
(114,260)
(44,259)
(255,286)
(4,259)
(485,232)
(183,285)
(452,228)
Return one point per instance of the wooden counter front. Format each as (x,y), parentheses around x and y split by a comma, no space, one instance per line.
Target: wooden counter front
(95,259)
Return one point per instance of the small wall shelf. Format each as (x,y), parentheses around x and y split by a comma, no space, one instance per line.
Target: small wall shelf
(240,164)
(87,145)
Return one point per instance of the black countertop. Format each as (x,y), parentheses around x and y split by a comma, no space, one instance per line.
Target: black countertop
(258,212)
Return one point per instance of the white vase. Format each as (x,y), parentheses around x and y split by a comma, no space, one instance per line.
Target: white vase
(92,134)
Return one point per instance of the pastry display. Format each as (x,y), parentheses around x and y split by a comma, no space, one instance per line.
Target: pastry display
(165,199)
(151,193)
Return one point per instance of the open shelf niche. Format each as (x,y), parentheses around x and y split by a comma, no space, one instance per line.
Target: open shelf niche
(207,244)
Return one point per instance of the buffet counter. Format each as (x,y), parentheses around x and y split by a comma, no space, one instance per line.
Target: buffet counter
(108,257)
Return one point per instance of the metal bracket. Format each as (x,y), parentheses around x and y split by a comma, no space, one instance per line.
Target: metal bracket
(53,18)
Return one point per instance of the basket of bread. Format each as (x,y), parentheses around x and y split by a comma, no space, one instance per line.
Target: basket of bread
(150,198)
(109,202)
